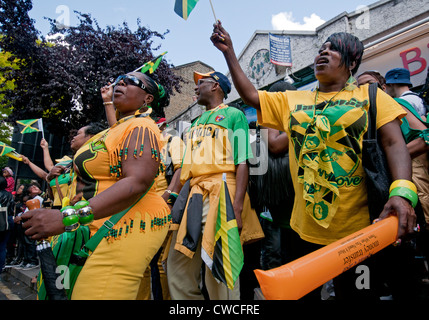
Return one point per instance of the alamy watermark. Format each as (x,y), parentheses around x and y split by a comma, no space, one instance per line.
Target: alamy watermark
(63,17)
(363,20)
(362,281)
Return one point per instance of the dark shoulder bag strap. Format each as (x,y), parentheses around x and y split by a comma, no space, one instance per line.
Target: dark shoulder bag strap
(372,112)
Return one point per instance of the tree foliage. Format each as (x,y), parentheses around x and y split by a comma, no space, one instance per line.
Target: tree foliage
(60,79)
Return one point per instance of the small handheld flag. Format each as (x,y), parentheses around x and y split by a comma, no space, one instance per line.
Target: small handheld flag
(6,150)
(184,7)
(152,65)
(149,66)
(31,125)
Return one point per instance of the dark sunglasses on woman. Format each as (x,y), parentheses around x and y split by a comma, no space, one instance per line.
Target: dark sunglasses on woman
(130,80)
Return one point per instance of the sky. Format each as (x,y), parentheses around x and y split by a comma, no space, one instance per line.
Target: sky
(189,40)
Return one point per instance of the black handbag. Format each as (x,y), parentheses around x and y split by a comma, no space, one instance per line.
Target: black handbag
(169,170)
(374,162)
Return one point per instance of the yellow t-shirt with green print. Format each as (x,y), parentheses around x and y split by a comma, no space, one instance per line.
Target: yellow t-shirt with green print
(329,139)
(216,142)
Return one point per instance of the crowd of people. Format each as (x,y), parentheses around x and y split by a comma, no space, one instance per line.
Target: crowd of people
(187,205)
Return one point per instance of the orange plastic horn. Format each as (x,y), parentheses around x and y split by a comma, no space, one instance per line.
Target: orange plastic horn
(294,280)
(32,204)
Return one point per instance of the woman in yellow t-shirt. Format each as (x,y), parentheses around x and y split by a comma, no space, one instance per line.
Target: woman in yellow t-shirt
(325,129)
(116,168)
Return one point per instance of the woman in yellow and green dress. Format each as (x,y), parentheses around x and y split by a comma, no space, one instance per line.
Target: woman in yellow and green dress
(115,169)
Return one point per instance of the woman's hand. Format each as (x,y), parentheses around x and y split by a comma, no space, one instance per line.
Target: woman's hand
(44,144)
(42,223)
(25,160)
(56,171)
(404,211)
(220,38)
(107,93)
(399,161)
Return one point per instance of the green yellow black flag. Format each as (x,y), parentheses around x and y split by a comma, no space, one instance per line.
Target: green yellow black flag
(30,125)
(152,65)
(228,255)
(6,150)
(184,7)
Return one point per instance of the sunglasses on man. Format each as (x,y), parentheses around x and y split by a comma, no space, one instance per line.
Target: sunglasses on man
(130,80)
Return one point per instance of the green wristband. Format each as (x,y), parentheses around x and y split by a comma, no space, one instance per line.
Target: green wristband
(81,204)
(405,193)
(86,216)
(70,219)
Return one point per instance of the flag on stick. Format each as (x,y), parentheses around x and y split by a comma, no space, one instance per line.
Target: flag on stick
(228,255)
(184,7)
(6,150)
(152,65)
(30,125)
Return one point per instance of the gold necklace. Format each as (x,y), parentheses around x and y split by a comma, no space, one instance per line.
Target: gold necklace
(327,104)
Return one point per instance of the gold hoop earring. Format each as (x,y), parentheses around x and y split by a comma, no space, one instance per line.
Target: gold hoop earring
(142,109)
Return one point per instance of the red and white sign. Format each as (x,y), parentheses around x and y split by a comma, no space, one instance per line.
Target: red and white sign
(409,50)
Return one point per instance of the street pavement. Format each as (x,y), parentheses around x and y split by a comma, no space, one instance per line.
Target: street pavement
(18,284)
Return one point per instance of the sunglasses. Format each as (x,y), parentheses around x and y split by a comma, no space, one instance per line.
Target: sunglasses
(130,80)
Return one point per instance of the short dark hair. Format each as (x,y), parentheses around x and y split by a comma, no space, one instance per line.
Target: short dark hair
(27,188)
(93,128)
(376,75)
(349,47)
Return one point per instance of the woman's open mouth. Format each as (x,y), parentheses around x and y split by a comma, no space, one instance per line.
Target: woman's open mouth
(322,61)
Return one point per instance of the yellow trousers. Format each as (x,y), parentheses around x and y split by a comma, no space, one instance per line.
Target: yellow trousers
(145,292)
(115,269)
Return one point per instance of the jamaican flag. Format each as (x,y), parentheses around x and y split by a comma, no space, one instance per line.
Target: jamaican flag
(184,7)
(152,65)
(228,255)
(30,126)
(6,150)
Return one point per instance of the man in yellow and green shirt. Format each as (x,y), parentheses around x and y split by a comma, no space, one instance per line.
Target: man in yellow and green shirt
(217,150)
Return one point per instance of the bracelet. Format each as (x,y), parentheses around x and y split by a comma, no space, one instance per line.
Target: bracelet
(168,191)
(70,219)
(403,183)
(405,193)
(108,103)
(85,212)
